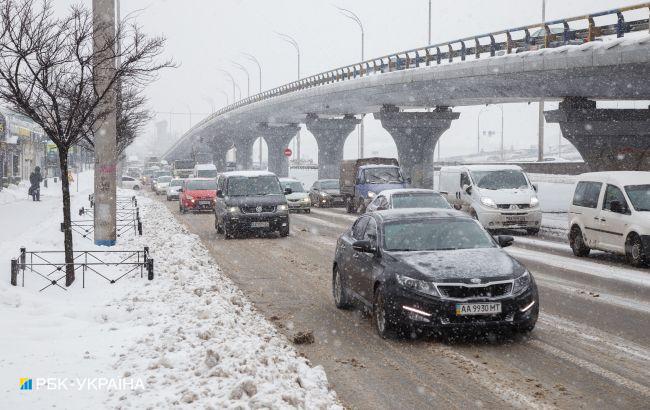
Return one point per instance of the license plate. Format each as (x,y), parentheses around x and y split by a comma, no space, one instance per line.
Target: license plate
(515,218)
(259,224)
(205,203)
(468,309)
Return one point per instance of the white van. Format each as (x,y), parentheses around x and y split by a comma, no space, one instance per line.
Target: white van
(205,171)
(499,196)
(610,211)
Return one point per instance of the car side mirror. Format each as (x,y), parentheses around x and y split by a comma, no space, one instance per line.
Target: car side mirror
(288,191)
(468,189)
(536,187)
(615,206)
(363,246)
(219,193)
(505,240)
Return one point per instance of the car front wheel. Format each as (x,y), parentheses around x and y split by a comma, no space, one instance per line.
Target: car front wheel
(381,318)
(577,242)
(284,231)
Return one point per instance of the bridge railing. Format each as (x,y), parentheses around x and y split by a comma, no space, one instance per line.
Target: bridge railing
(526,38)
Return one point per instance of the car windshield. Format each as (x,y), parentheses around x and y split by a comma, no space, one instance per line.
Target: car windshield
(435,235)
(176,182)
(206,173)
(162,173)
(260,185)
(639,196)
(294,185)
(201,185)
(501,179)
(382,175)
(419,200)
(329,184)
(164,179)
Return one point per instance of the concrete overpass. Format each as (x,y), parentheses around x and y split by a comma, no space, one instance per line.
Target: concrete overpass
(577,67)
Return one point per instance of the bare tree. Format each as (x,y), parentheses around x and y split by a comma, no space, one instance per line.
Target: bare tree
(46,73)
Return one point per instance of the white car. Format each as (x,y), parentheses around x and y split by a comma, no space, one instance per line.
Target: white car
(499,196)
(407,198)
(173,189)
(130,183)
(610,211)
(298,200)
(161,184)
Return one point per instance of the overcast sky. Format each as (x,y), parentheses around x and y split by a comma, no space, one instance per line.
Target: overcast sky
(203,35)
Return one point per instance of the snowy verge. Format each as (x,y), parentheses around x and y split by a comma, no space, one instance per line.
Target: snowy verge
(205,345)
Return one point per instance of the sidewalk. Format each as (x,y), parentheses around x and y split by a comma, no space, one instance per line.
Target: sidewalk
(187,338)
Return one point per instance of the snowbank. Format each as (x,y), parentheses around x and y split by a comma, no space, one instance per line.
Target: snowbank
(187,338)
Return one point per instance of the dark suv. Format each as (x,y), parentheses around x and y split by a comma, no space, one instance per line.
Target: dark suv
(250,201)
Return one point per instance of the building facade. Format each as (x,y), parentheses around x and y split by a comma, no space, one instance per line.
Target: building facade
(22,147)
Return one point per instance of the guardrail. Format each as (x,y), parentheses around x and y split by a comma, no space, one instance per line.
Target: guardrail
(99,263)
(461,48)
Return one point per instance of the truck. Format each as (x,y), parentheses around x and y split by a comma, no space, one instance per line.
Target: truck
(183,168)
(362,179)
(205,171)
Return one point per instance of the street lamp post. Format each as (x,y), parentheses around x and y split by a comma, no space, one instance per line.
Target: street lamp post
(294,43)
(259,67)
(248,77)
(478,130)
(232,80)
(352,16)
(540,117)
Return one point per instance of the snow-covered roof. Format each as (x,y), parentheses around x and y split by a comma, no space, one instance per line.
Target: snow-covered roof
(618,177)
(205,167)
(288,180)
(389,192)
(378,166)
(420,213)
(247,174)
(486,167)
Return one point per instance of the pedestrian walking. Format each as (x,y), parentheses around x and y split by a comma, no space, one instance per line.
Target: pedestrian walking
(35,179)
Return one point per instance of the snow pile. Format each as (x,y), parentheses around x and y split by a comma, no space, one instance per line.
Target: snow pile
(205,345)
(14,193)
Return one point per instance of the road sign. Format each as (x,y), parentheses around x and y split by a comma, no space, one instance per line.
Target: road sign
(288,152)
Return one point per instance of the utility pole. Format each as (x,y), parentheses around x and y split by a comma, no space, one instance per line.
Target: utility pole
(540,114)
(106,139)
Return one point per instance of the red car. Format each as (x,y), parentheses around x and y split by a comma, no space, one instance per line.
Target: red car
(197,194)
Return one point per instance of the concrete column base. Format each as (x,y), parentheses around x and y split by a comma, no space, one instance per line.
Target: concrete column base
(607,139)
(244,155)
(277,139)
(415,135)
(330,134)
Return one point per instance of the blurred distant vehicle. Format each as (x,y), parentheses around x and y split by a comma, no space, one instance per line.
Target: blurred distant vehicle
(183,168)
(298,200)
(326,193)
(362,179)
(408,198)
(173,189)
(160,187)
(205,171)
(610,211)
(130,183)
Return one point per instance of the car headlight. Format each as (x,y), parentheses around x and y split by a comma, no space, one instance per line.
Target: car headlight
(233,209)
(323,194)
(305,200)
(534,201)
(489,202)
(417,285)
(371,194)
(283,207)
(521,283)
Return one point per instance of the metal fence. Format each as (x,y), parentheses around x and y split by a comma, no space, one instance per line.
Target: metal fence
(50,266)
(127,215)
(548,34)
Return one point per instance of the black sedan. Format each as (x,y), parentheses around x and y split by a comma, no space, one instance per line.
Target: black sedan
(432,268)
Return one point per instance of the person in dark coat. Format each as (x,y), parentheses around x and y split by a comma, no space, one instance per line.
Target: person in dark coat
(35,179)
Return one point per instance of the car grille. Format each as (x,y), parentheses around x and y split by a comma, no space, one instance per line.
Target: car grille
(466,292)
(294,200)
(519,206)
(254,210)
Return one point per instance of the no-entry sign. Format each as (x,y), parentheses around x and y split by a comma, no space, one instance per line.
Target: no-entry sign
(287,152)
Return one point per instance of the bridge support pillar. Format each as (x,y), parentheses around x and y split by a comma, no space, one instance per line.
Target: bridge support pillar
(277,139)
(244,155)
(415,135)
(330,134)
(607,139)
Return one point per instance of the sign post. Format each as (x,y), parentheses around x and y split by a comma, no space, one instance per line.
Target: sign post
(106,134)
(288,152)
